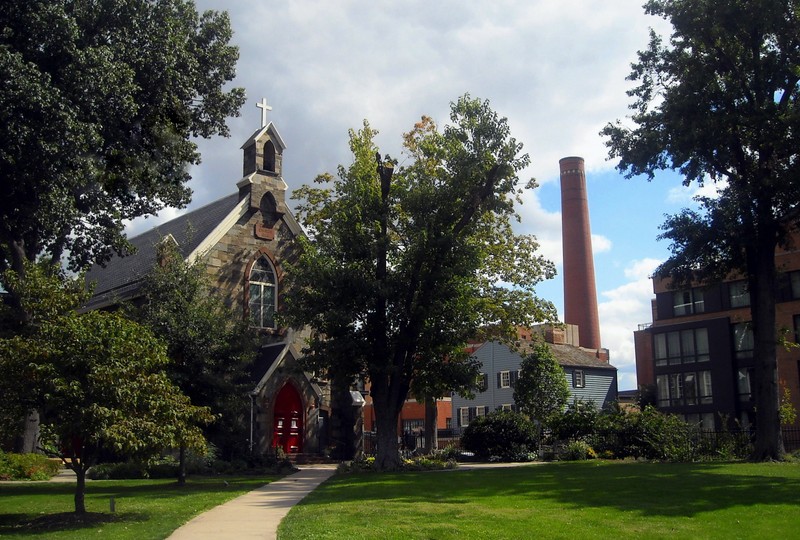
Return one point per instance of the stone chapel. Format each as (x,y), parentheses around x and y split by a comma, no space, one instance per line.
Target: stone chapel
(243,240)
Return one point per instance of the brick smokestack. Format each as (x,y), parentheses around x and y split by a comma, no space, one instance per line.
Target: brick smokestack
(580,291)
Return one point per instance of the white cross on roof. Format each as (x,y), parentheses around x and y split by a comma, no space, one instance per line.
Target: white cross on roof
(264,108)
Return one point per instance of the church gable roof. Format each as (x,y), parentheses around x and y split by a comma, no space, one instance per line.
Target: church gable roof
(121,277)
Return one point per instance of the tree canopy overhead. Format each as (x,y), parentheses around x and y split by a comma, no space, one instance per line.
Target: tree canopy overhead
(100,100)
(719,103)
(404,266)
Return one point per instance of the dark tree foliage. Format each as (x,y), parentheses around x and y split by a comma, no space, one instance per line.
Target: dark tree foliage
(719,103)
(209,347)
(400,271)
(99,104)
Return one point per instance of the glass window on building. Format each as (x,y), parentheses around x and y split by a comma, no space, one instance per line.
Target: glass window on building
(684,389)
(681,347)
(739,295)
(660,349)
(463,416)
(662,387)
(794,279)
(504,380)
(704,421)
(744,378)
(743,343)
(701,344)
(687,302)
(690,388)
(704,387)
(796,320)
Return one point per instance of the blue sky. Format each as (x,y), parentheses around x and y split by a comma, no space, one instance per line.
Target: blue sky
(556,70)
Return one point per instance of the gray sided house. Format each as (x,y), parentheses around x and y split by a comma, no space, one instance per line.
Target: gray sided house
(589,375)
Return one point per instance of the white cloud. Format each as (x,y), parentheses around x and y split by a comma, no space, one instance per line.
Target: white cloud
(546,226)
(600,244)
(686,195)
(621,311)
(144,224)
(641,269)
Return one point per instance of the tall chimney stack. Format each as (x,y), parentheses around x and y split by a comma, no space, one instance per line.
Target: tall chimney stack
(580,291)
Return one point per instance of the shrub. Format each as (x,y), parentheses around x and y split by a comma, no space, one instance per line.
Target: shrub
(117,471)
(648,434)
(27,467)
(447,453)
(578,421)
(503,435)
(578,450)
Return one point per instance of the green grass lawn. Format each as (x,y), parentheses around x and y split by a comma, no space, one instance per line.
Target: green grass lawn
(579,500)
(144,508)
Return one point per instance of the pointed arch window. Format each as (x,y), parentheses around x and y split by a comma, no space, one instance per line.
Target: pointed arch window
(263,294)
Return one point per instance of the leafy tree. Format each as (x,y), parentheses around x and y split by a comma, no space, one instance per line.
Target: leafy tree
(45,294)
(209,347)
(402,268)
(719,103)
(98,380)
(99,105)
(541,391)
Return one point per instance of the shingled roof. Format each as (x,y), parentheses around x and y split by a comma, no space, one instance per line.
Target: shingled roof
(568,355)
(120,278)
(565,355)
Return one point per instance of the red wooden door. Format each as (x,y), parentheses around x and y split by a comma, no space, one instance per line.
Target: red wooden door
(288,422)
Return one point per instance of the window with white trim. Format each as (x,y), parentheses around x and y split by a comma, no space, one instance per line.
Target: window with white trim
(506,407)
(578,380)
(480,411)
(504,379)
(463,416)
(263,294)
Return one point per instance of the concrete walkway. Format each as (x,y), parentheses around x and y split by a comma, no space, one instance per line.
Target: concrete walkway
(255,514)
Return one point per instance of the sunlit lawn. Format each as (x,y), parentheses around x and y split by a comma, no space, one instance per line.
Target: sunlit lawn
(144,508)
(580,500)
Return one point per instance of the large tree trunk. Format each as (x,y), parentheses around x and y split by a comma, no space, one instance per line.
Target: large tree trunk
(431,433)
(762,271)
(387,457)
